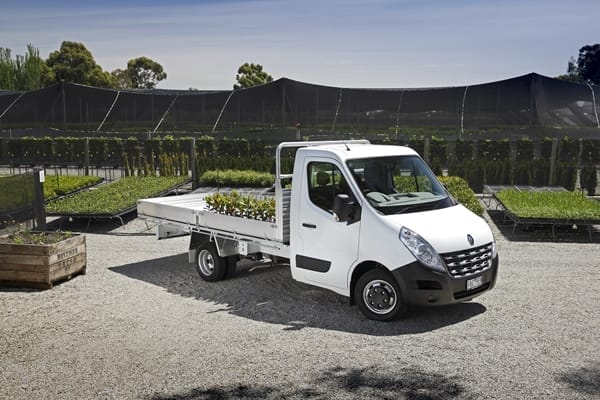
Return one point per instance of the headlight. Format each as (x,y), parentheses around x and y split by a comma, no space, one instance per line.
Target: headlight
(494,250)
(421,250)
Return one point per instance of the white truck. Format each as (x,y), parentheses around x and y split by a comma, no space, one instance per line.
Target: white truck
(369,222)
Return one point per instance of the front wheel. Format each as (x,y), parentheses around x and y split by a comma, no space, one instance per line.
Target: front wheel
(378,296)
(210,266)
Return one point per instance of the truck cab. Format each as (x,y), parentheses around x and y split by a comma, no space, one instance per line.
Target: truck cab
(373,223)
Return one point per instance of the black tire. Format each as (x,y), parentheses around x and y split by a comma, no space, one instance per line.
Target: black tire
(378,296)
(231,266)
(210,266)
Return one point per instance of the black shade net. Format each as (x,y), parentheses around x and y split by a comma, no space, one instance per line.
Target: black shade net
(527,101)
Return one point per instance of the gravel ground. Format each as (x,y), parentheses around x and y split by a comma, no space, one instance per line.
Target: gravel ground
(142,325)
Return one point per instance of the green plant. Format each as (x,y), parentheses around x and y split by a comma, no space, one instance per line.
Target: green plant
(550,205)
(38,238)
(58,185)
(460,190)
(114,197)
(236,178)
(589,179)
(245,206)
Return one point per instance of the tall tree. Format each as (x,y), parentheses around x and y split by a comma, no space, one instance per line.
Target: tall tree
(75,63)
(145,73)
(250,74)
(7,70)
(586,68)
(588,63)
(121,76)
(24,72)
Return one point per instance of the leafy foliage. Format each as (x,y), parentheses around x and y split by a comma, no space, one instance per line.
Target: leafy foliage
(460,190)
(236,178)
(586,68)
(249,75)
(38,238)
(245,206)
(550,205)
(58,185)
(114,197)
(75,63)
(144,73)
(589,178)
(24,72)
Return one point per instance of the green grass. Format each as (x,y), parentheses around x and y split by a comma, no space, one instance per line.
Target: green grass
(114,197)
(550,205)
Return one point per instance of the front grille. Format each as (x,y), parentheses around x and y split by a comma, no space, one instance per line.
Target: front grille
(469,262)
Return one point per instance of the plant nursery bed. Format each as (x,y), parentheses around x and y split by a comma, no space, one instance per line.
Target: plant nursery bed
(40,265)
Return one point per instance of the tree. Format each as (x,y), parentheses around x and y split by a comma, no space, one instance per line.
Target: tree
(145,73)
(75,63)
(249,75)
(24,72)
(122,78)
(588,63)
(586,68)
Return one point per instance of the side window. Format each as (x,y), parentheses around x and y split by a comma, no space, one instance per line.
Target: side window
(325,181)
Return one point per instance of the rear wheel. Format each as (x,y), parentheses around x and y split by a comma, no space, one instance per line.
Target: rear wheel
(378,296)
(210,266)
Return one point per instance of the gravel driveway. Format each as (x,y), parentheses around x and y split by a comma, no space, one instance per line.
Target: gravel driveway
(142,325)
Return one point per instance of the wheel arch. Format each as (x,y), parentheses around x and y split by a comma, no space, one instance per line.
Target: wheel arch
(359,271)
(369,265)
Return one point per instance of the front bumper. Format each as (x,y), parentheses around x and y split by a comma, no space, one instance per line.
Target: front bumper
(423,286)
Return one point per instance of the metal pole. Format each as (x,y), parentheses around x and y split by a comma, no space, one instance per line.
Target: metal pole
(86,151)
(38,205)
(193,163)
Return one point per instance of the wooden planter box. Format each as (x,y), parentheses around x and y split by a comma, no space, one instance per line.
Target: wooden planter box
(40,266)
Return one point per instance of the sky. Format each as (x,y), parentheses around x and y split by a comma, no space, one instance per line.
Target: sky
(342,43)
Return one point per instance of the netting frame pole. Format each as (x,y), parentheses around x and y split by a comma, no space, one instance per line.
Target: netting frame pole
(109,111)
(11,105)
(398,113)
(462,114)
(337,110)
(212,132)
(594,104)
(164,115)
(64,104)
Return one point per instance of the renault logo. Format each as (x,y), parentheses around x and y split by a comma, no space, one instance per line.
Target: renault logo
(471,240)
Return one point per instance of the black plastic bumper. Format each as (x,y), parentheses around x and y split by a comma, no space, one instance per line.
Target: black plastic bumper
(422,286)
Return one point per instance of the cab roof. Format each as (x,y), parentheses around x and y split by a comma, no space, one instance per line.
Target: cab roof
(349,151)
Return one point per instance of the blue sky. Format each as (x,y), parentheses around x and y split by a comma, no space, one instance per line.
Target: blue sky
(348,43)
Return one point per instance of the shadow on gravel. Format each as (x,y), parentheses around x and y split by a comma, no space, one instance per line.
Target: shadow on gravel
(367,383)
(585,380)
(542,233)
(269,294)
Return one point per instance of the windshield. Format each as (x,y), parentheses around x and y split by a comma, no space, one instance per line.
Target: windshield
(399,184)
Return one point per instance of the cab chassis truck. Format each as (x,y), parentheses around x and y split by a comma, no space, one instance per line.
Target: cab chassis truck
(369,222)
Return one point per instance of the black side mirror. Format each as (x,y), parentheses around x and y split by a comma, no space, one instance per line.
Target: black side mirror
(343,208)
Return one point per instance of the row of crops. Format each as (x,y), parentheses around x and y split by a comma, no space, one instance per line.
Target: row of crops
(483,162)
(114,198)
(121,196)
(110,150)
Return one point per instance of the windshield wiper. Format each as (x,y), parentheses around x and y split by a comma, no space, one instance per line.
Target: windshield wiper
(422,206)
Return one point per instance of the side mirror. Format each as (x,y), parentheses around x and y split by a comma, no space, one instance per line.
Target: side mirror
(343,208)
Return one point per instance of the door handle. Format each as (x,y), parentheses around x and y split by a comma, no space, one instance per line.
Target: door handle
(307,225)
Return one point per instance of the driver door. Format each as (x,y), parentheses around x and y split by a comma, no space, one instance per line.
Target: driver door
(325,249)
